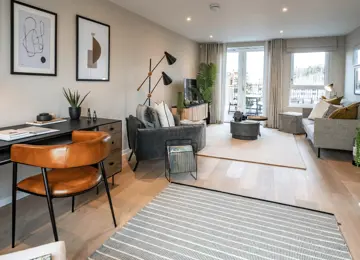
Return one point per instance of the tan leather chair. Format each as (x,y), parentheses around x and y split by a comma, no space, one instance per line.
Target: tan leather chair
(72,170)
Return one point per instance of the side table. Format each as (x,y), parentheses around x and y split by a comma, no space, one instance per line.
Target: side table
(291,122)
(180,157)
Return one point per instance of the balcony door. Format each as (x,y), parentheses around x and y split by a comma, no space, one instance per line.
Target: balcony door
(244,81)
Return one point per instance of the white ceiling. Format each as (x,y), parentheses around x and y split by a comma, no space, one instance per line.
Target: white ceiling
(250,20)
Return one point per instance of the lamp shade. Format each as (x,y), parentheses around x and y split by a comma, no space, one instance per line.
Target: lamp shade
(166,79)
(170,59)
(329,87)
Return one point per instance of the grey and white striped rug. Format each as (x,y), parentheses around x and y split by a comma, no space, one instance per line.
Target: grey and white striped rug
(185,222)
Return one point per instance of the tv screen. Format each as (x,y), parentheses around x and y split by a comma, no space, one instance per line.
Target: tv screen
(190,90)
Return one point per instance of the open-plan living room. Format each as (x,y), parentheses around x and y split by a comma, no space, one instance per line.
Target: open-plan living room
(179,129)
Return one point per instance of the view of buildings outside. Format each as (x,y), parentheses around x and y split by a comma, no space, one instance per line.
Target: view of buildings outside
(253,90)
(308,78)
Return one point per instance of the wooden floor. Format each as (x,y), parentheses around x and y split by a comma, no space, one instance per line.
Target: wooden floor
(330,184)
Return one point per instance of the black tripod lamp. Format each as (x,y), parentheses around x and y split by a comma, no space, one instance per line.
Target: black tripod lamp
(166,79)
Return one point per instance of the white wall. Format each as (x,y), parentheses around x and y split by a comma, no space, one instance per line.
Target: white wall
(352,41)
(336,73)
(133,41)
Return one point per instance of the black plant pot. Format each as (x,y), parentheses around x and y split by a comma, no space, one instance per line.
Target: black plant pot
(75,113)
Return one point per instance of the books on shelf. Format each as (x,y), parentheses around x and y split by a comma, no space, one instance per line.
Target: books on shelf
(14,134)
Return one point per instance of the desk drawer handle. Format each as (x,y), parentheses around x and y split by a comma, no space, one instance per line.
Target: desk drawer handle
(111,163)
(111,129)
(112,142)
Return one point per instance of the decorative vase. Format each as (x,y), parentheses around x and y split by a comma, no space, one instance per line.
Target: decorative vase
(75,113)
(238,116)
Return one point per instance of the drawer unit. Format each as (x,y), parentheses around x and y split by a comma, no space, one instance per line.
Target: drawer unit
(111,128)
(113,163)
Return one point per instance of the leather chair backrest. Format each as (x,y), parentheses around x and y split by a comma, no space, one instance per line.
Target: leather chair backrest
(87,148)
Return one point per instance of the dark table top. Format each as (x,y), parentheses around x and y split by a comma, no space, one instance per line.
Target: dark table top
(65,129)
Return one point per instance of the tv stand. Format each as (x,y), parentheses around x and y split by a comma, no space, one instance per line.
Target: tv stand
(193,112)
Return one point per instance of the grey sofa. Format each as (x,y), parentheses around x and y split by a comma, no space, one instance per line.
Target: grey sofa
(328,133)
(149,143)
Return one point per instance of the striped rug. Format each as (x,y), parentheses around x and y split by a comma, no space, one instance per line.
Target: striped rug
(185,222)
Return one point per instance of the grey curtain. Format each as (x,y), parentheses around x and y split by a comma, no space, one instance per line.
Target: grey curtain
(275,59)
(214,53)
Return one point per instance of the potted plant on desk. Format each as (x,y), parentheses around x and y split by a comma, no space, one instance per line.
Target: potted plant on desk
(75,104)
(205,81)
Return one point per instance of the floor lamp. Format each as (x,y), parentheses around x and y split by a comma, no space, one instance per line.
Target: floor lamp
(166,79)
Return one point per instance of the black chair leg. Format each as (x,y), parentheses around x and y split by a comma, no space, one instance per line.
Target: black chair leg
(50,205)
(72,203)
(135,167)
(107,191)
(132,152)
(14,184)
(318,152)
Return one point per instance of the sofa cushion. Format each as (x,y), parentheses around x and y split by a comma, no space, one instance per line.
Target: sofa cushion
(309,127)
(333,101)
(331,109)
(319,110)
(165,116)
(143,115)
(154,117)
(349,112)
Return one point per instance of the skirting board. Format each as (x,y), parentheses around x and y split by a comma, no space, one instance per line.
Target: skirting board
(20,195)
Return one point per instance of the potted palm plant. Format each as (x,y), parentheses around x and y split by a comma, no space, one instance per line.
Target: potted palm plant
(75,103)
(205,82)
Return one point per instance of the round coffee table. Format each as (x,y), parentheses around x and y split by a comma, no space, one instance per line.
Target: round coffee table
(245,130)
(258,119)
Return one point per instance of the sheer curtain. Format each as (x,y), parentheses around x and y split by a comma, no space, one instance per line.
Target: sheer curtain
(215,53)
(274,75)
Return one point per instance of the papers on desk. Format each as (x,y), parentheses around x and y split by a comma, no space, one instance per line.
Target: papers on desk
(14,134)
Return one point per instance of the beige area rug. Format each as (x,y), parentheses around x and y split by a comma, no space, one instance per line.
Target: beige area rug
(272,148)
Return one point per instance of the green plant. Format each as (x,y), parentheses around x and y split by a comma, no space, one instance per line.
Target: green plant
(205,80)
(180,103)
(357,148)
(74,97)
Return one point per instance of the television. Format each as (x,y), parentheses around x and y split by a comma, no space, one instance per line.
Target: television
(191,92)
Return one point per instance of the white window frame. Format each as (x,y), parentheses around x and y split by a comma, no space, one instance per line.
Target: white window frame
(320,87)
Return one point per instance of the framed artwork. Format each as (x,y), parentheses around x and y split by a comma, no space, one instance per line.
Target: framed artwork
(92,50)
(33,40)
(357,81)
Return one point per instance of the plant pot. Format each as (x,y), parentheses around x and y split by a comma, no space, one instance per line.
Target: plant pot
(209,115)
(74,113)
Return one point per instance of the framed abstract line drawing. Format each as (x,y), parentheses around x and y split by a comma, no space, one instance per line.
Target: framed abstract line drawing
(33,40)
(92,50)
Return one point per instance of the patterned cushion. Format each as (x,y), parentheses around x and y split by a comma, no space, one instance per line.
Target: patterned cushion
(331,109)
(143,115)
(349,112)
(333,101)
(154,118)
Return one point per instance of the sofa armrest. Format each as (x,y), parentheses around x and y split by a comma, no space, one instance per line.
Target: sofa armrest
(306,112)
(151,142)
(335,133)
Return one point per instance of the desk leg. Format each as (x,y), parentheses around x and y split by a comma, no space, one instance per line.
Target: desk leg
(14,203)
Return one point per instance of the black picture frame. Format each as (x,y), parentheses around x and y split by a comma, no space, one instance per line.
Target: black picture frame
(13,67)
(78,78)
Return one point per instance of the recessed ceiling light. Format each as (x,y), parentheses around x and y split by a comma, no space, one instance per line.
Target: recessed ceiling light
(281,31)
(188,19)
(285,9)
(211,36)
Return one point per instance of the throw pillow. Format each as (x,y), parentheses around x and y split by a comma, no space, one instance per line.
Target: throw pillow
(154,118)
(165,116)
(333,101)
(143,115)
(349,112)
(331,109)
(319,110)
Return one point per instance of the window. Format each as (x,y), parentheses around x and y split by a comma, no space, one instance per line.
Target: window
(308,76)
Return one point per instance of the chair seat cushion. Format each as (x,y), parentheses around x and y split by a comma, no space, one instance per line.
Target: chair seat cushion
(63,182)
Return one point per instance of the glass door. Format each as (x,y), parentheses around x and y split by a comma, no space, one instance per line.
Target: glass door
(244,81)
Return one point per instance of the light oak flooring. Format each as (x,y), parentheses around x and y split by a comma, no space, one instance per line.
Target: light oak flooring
(330,184)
